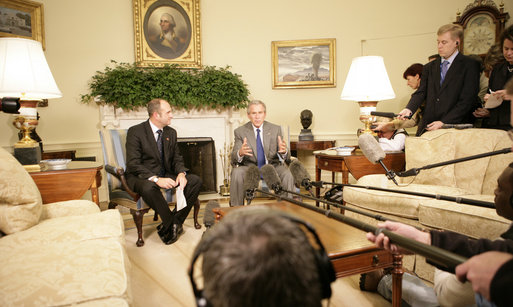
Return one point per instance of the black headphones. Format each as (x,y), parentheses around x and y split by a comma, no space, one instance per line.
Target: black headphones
(324,266)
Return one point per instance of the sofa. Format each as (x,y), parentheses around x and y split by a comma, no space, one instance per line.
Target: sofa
(475,179)
(59,254)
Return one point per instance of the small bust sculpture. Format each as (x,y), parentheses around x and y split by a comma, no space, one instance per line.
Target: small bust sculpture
(306,118)
(306,121)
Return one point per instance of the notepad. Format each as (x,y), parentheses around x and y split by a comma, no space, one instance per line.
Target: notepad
(493,102)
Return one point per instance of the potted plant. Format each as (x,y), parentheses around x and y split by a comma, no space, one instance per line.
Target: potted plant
(129,87)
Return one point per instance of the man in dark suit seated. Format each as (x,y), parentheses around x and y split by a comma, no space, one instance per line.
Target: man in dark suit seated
(154,162)
(449,84)
(258,142)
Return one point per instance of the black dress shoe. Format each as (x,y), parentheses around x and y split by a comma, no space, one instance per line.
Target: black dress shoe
(173,234)
(165,233)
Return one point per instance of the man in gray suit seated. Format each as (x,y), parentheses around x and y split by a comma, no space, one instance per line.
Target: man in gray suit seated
(258,142)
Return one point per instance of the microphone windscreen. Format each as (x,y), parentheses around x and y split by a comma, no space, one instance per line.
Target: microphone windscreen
(209,217)
(299,172)
(271,177)
(251,178)
(370,148)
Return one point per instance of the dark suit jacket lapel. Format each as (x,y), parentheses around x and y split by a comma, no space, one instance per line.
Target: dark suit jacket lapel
(166,144)
(151,140)
(436,74)
(250,136)
(266,133)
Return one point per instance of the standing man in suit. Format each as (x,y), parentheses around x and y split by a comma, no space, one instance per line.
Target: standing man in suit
(154,162)
(449,85)
(257,136)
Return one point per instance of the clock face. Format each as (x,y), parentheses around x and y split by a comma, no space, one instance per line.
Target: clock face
(479,35)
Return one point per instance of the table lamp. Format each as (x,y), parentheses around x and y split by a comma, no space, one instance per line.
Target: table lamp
(24,74)
(367,82)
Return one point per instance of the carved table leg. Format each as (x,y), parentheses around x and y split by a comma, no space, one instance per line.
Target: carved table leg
(397,280)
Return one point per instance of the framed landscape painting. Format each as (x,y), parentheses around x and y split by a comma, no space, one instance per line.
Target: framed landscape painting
(22,18)
(167,32)
(303,63)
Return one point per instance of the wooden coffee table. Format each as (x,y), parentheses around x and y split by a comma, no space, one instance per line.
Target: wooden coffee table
(349,250)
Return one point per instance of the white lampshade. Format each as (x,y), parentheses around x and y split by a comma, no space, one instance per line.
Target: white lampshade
(24,72)
(367,80)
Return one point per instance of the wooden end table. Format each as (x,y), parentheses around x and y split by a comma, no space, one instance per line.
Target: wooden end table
(70,183)
(356,164)
(310,146)
(349,250)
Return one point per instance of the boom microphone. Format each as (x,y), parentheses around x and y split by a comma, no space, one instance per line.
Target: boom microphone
(251,179)
(416,171)
(271,178)
(301,176)
(374,153)
(387,114)
(435,254)
(209,217)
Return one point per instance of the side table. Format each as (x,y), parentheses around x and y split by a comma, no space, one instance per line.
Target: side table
(69,183)
(310,145)
(356,164)
(58,154)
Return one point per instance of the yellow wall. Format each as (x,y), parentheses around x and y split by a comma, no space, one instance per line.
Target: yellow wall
(83,36)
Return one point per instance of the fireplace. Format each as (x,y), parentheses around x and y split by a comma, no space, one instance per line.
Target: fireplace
(199,155)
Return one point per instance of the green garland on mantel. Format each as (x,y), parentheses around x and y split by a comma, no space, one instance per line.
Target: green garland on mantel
(129,87)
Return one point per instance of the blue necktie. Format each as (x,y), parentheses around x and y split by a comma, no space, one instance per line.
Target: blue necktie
(260,150)
(443,71)
(161,152)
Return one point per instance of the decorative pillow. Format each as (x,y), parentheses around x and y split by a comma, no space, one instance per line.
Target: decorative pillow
(20,200)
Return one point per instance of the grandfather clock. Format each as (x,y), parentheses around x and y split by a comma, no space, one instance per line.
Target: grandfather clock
(482,23)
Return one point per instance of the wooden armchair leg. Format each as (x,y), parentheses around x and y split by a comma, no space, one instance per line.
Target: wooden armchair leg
(196,211)
(138,220)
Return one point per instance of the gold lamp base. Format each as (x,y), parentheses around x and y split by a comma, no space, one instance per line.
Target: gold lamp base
(27,150)
(366,107)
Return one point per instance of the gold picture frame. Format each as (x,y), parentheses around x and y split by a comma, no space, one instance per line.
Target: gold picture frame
(167,32)
(22,18)
(303,63)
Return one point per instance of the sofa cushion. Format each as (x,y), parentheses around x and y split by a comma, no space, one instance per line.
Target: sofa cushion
(106,224)
(402,205)
(432,147)
(69,208)
(20,200)
(473,221)
(478,176)
(497,163)
(63,273)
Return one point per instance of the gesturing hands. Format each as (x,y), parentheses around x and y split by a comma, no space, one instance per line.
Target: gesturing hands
(168,183)
(245,150)
(282,146)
